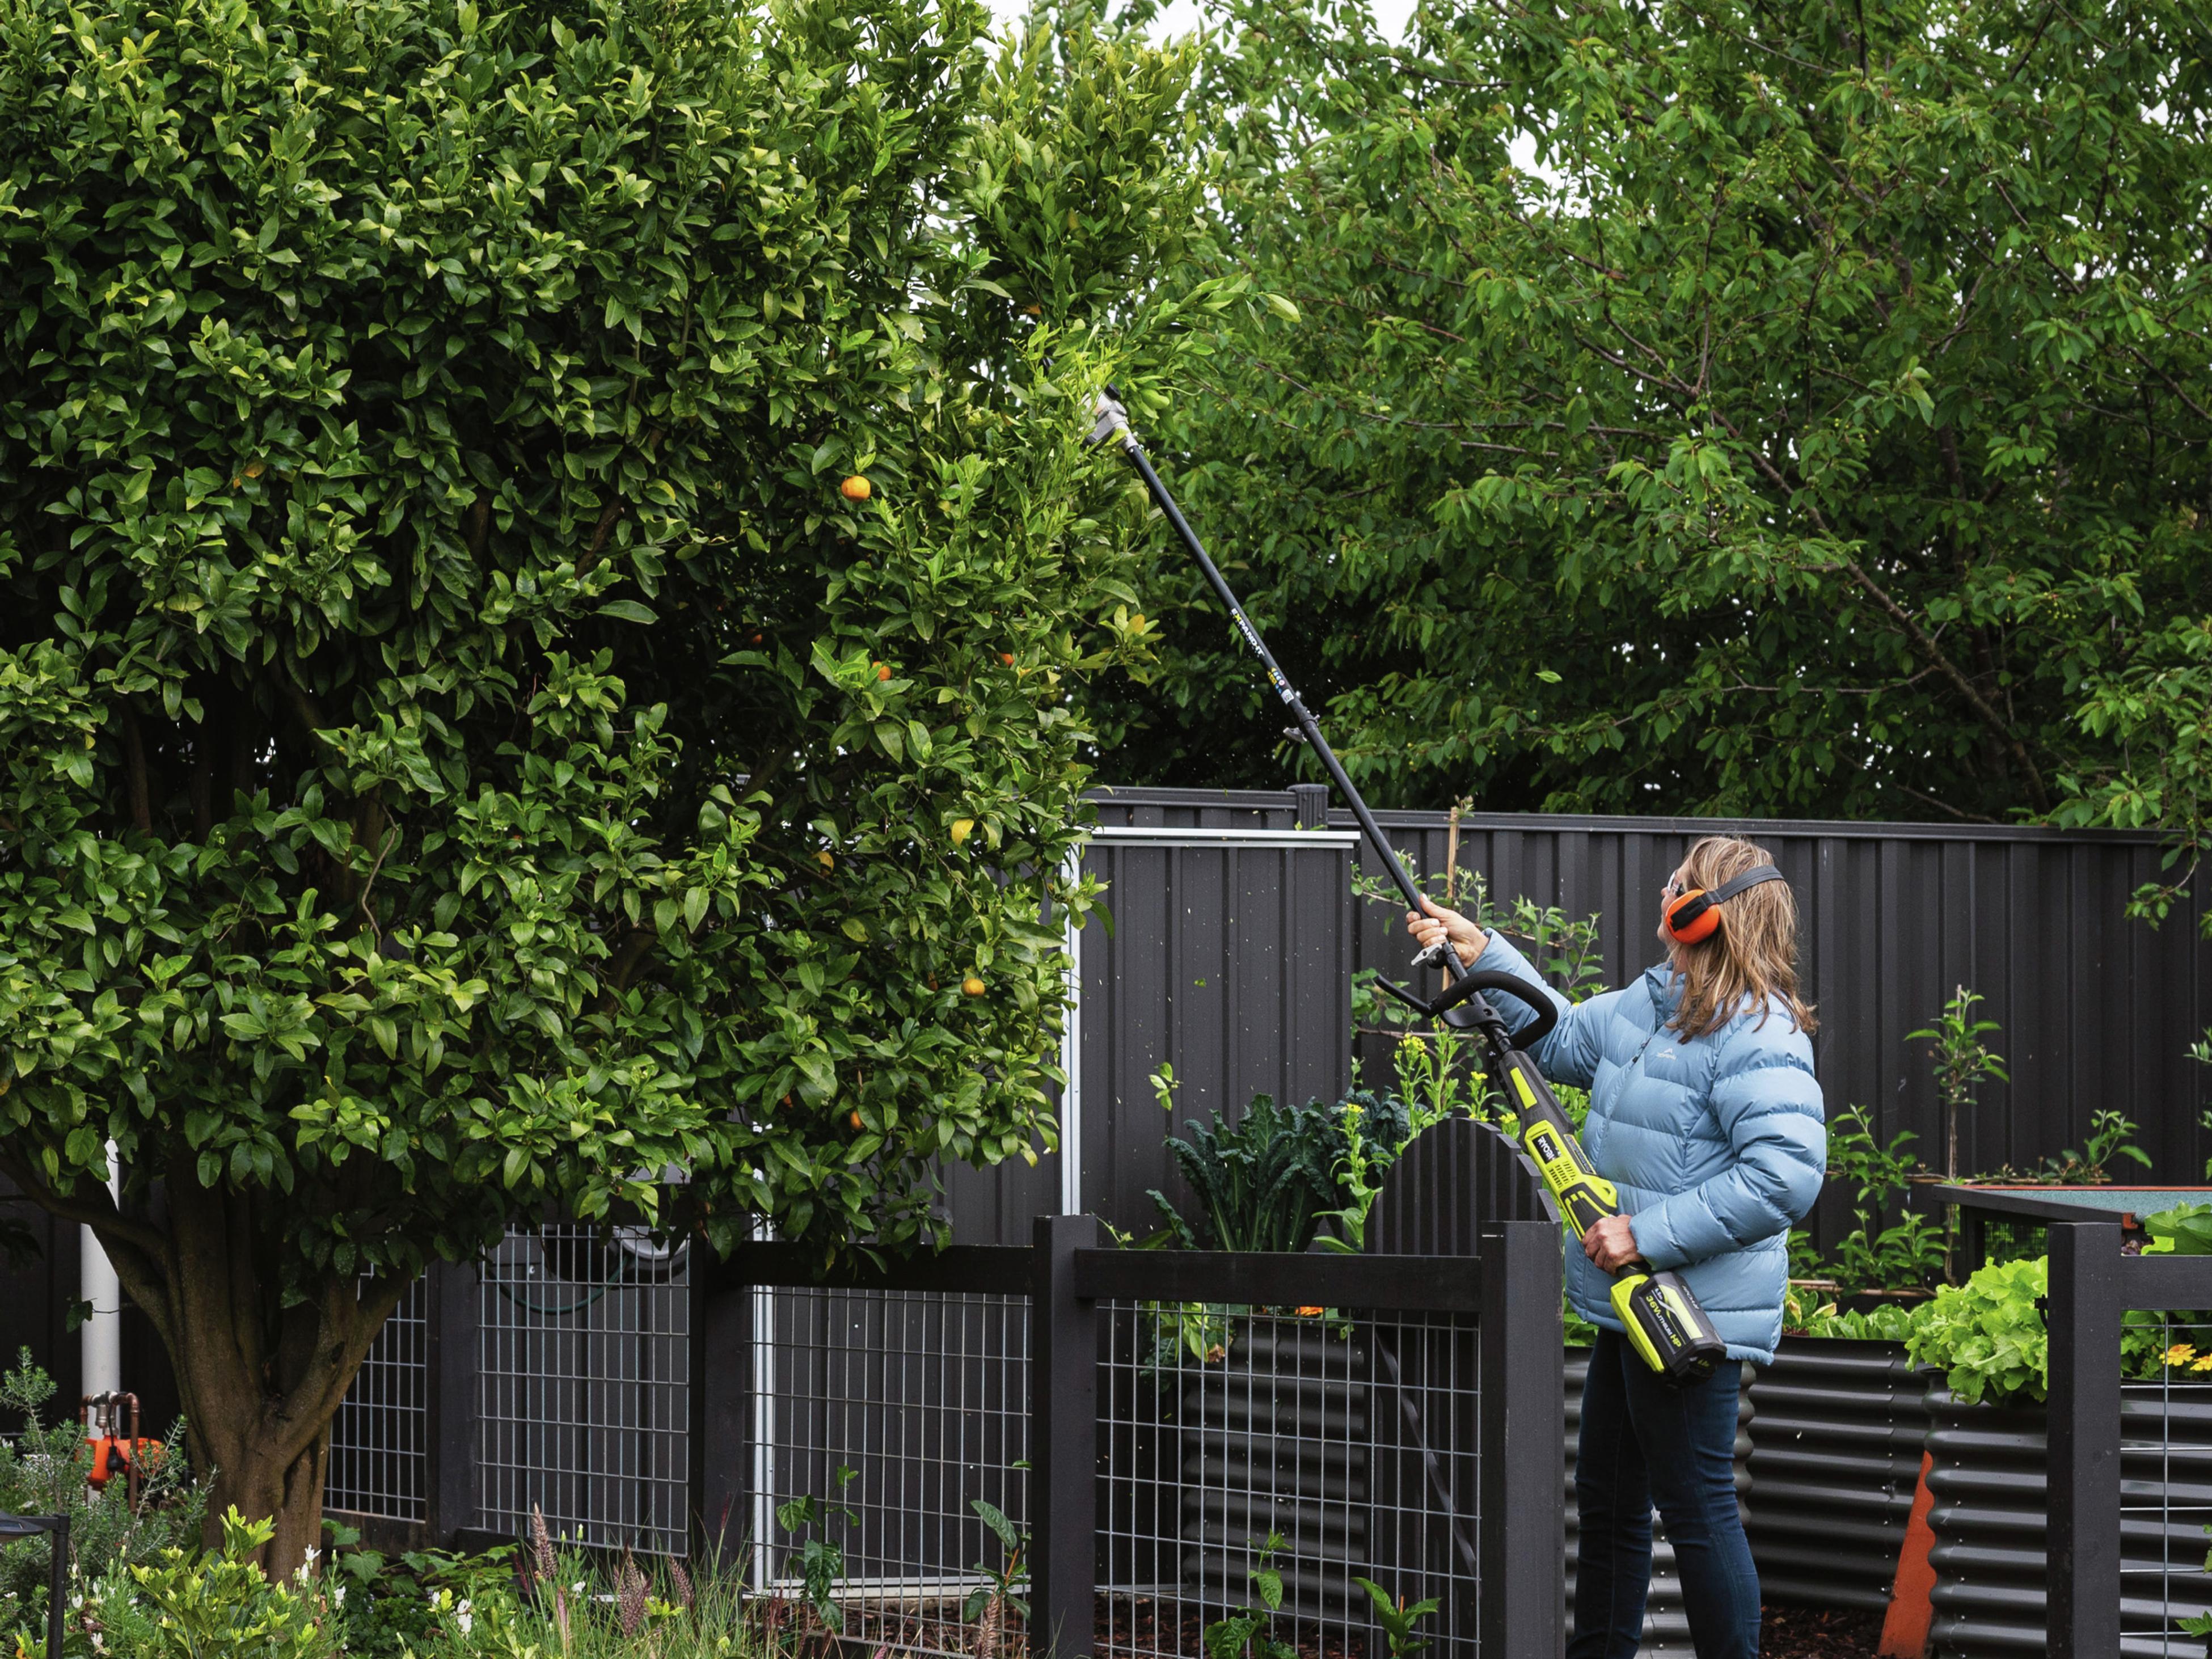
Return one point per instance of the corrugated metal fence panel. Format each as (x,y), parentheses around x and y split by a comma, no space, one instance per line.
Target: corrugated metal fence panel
(2096,1010)
(1457,1175)
(1989,1481)
(1228,960)
(1833,1469)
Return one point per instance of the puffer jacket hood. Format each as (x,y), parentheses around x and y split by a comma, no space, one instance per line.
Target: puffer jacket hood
(1717,1143)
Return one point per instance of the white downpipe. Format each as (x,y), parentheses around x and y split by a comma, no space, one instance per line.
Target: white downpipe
(101,1334)
(1071,1057)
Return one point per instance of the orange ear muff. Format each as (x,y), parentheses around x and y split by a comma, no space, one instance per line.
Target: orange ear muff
(1696,915)
(1692,917)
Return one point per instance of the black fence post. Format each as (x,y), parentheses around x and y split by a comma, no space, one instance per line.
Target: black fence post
(1523,1538)
(2083,1317)
(721,1397)
(1063,1444)
(452,1356)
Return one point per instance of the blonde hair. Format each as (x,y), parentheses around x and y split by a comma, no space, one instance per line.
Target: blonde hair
(1751,957)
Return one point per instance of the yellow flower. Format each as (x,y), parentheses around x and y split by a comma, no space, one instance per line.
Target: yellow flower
(1310,1312)
(2202,1365)
(2180,1354)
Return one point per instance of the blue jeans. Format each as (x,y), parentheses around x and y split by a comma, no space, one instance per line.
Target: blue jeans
(1642,1443)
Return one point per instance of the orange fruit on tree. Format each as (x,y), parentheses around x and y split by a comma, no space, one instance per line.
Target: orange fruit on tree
(972,986)
(883,671)
(853,1118)
(1007,658)
(856,489)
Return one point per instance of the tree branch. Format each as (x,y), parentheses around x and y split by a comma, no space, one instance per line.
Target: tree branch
(605,529)
(101,1216)
(134,766)
(1906,623)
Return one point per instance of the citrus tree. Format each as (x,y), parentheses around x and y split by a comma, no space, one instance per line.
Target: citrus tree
(543,556)
(1709,407)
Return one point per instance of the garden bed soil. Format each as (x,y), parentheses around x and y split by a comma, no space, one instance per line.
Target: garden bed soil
(1144,1625)
(1791,1632)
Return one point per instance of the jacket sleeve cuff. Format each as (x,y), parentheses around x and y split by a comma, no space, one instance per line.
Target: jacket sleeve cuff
(1657,1239)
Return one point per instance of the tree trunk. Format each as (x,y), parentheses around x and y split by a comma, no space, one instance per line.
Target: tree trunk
(290,1494)
(261,1380)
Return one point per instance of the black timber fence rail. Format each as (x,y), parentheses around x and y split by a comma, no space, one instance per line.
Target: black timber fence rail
(2097,1010)
(2104,1597)
(1149,1420)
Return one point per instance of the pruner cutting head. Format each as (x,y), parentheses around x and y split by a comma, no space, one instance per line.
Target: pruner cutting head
(1112,419)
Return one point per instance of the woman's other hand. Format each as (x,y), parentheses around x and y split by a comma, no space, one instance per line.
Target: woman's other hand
(1439,923)
(1611,1243)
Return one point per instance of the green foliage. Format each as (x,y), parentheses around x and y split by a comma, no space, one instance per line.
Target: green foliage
(461,755)
(1986,1335)
(1263,1182)
(1888,1322)
(1962,1061)
(42,1472)
(472,1609)
(989,1602)
(820,1560)
(1363,1164)
(1814,430)
(1906,1254)
(2184,1230)
(221,1605)
(1248,1633)
(1396,1619)
(2111,1134)
(1567,951)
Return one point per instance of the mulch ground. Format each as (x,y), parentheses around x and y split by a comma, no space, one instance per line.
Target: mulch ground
(1138,1626)
(1819,1633)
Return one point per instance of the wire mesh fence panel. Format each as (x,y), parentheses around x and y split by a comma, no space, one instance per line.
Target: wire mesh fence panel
(380,1440)
(1249,1458)
(2165,1485)
(583,1380)
(882,1418)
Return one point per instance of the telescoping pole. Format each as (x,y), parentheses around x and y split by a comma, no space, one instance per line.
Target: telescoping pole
(1113,425)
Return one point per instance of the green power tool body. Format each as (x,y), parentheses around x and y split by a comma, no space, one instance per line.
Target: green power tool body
(1662,1319)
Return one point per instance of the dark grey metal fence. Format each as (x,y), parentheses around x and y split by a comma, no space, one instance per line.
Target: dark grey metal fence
(1148,1422)
(2129,1490)
(2097,1012)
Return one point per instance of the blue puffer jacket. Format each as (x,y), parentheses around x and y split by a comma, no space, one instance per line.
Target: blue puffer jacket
(1715,1143)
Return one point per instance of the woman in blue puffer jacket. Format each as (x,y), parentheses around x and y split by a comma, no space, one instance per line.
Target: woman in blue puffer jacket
(1705,1113)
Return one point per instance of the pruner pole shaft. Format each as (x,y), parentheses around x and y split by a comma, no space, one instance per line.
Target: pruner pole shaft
(1113,425)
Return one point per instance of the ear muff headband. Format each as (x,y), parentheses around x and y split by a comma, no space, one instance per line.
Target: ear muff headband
(1696,914)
